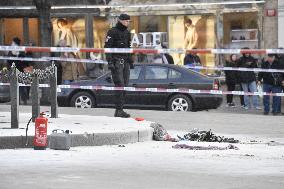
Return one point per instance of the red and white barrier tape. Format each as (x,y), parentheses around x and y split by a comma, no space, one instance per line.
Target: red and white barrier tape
(47,59)
(140,50)
(163,90)
(235,69)
(158,90)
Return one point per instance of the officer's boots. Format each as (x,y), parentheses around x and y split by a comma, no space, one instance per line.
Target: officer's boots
(121,113)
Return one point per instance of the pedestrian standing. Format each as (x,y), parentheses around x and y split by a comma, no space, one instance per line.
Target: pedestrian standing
(192,59)
(57,63)
(280,59)
(30,65)
(69,69)
(21,65)
(248,79)
(168,58)
(231,79)
(271,83)
(119,63)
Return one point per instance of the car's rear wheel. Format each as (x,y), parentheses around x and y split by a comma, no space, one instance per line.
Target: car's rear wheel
(180,102)
(82,99)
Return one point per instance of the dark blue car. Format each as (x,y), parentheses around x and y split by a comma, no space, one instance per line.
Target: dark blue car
(148,76)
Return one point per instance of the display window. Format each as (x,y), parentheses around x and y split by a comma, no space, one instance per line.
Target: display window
(193,31)
(33,31)
(100,27)
(12,27)
(70,30)
(149,31)
(241,30)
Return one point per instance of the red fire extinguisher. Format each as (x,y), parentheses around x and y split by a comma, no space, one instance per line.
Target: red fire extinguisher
(40,138)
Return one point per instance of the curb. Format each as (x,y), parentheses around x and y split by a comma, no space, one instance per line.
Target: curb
(87,139)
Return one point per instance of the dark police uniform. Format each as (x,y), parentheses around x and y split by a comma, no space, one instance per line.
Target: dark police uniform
(119,63)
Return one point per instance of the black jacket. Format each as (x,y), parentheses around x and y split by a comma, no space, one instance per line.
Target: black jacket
(118,37)
(247,62)
(191,59)
(20,64)
(231,76)
(169,59)
(274,78)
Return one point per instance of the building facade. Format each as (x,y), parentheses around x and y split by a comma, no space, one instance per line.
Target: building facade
(280,23)
(84,23)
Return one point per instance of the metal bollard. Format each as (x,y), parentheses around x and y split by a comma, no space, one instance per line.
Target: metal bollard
(35,98)
(53,93)
(14,92)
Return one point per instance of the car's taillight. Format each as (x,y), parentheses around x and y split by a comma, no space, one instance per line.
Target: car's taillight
(216,85)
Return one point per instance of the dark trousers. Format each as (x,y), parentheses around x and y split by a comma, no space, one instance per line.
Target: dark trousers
(120,77)
(24,93)
(276,100)
(232,87)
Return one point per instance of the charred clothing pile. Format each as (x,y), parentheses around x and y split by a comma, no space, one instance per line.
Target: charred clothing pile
(206,136)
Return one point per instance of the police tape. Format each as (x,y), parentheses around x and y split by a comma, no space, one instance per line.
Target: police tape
(48,59)
(235,69)
(141,50)
(154,90)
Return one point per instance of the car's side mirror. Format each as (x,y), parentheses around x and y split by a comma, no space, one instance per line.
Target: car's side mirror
(109,79)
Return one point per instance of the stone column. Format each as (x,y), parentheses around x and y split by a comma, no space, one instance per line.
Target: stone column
(270,25)
(219,36)
(26,30)
(45,28)
(89,19)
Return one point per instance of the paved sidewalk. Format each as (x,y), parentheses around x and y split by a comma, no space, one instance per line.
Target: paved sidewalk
(86,130)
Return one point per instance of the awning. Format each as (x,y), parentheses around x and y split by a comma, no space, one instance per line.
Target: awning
(173,5)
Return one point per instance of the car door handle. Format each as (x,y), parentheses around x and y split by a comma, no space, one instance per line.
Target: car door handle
(172,85)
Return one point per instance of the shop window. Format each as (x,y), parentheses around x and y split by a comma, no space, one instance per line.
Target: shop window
(100,27)
(149,31)
(12,27)
(192,31)
(33,31)
(70,30)
(241,30)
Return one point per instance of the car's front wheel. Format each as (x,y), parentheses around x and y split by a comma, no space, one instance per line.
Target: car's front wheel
(180,102)
(82,99)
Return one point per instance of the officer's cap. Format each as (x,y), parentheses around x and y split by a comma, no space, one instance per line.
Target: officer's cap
(124,17)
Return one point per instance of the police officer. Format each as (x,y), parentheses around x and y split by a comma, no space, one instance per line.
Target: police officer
(119,63)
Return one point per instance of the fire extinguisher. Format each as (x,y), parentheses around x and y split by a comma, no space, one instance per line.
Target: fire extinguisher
(40,138)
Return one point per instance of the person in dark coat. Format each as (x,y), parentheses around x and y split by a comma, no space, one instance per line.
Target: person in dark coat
(271,83)
(21,66)
(31,64)
(248,79)
(231,78)
(61,43)
(280,59)
(192,59)
(169,57)
(120,63)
